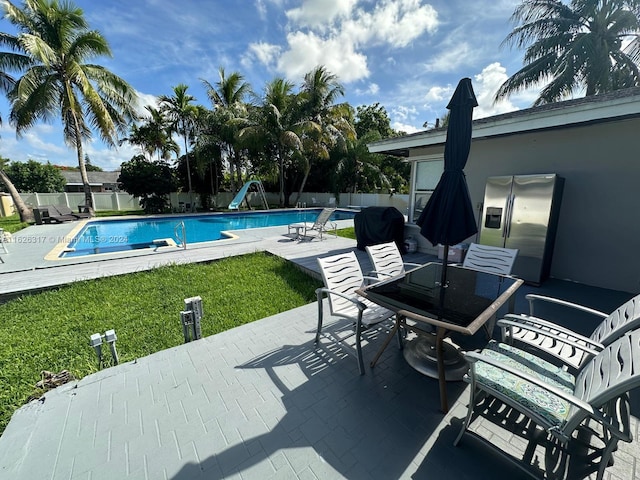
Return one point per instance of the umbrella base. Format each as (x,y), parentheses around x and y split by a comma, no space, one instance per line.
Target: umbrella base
(420,353)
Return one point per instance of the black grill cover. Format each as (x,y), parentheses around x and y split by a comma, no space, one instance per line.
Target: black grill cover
(375,225)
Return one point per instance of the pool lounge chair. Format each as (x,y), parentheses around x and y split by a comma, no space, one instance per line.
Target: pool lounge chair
(59,214)
(317,228)
(51,214)
(64,210)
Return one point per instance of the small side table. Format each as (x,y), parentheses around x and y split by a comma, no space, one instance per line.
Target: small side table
(298,227)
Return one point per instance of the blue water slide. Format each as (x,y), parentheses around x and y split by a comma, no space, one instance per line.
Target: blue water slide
(235,203)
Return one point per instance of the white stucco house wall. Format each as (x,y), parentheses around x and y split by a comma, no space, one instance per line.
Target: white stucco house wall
(594,143)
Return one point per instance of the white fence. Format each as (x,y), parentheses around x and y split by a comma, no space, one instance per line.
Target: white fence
(101,201)
(124,201)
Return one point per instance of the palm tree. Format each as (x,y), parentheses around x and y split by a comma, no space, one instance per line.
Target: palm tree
(153,136)
(26,213)
(52,47)
(227,97)
(359,169)
(274,128)
(327,124)
(182,115)
(589,45)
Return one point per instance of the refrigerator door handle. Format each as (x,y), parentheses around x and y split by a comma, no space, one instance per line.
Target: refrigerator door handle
(509,215)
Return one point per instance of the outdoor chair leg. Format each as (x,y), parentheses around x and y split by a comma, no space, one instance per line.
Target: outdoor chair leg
(358,343)
(470,408)
(319,296)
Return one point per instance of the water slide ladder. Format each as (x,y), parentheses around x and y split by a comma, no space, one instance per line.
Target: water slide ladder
(235,203)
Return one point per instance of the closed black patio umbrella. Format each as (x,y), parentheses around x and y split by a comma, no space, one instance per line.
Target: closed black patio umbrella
(448,216)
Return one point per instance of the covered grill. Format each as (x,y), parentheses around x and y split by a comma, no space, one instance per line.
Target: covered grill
(375,225)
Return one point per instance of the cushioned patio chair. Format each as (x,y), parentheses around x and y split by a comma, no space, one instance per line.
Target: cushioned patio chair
(571,348)
(318,227)
(342,276)
(490,259)
(387,260)
(557,401)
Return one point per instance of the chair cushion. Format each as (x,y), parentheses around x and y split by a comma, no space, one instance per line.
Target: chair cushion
(534,398)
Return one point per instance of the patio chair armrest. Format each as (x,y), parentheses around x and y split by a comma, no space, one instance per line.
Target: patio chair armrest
(361,306)
(550,330)
(532,298)
(474,357)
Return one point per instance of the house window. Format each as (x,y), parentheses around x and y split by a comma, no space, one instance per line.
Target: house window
(427,175)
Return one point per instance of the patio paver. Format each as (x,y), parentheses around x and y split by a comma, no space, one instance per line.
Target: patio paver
(259,401)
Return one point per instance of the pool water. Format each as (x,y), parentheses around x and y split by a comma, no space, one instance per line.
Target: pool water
(107,236)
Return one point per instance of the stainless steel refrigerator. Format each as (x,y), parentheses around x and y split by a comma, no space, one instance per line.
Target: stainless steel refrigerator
(521,211)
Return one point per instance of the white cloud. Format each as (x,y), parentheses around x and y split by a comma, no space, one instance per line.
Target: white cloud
(265,53)
(145,99)
(405,127)
(485,86)
(315,14)
(372,89)
(261,8)
(306,51)
(404,113)
(398,22)
(451,58)
(337,34)
(111,159)
(404,119)
(438,94)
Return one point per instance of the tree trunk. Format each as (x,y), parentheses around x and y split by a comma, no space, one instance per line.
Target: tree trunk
(186,157)
(88,199)
(302,184)
(26,213)
(281,178)
(232,170)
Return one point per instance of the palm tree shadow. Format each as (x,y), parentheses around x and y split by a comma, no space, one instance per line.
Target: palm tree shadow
(360,426)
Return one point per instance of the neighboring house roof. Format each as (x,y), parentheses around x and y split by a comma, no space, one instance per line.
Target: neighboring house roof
(614,106)
(95,178)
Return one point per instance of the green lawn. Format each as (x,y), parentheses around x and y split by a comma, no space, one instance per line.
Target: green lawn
(51,330)
(12,223)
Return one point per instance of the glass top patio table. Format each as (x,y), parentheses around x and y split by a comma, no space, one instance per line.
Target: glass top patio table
(471,298)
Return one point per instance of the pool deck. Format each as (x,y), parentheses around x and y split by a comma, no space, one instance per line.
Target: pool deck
(28,266)
(258,401)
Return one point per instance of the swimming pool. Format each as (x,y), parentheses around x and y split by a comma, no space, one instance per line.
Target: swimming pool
(107,236)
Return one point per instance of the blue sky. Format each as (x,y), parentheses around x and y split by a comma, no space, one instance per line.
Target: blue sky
(408,55)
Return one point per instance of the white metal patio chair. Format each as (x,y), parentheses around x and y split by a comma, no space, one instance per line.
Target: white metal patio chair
(318,227)
(387,260)
(490,259)
(557,401)
(571,348)
(342,276)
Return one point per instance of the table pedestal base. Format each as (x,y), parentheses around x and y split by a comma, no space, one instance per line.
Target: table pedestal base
(420,353)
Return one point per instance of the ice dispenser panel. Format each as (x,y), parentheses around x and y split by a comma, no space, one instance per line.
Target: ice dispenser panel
(492,217)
